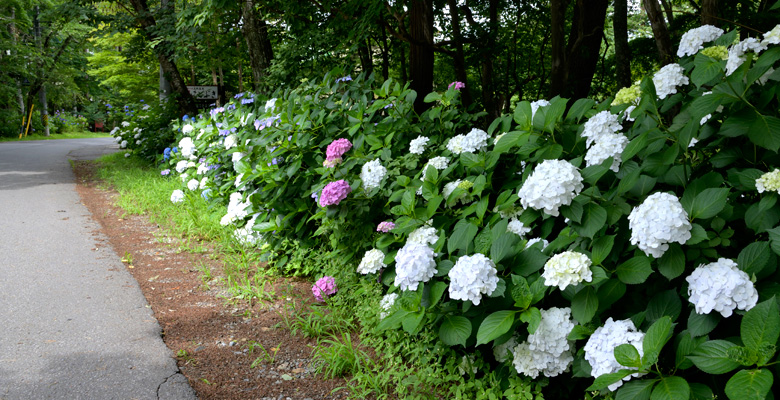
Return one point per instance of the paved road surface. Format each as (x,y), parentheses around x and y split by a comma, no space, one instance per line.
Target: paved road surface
(73,322)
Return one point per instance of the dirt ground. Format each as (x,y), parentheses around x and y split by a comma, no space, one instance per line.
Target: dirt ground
(211,336)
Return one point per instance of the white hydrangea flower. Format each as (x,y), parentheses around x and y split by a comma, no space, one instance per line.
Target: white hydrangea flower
(668,78)
(552,183)
(417,146)
(193,184)
(386,304)
(517,227)
(203,183)
(721,286)
(425,234)
(440,163)
(236,210)
(237,156)
(202,169)
(187,129)
(231,141)
(471,277)
(118,138)
(123,144)
(372,174)
(606,146)
(772,37)
(547,350)
(567,268)
(533,241)
(471,142)
(372,262)
(137,135)
(658,221)
(450,187)
(536,104)
(601,124)
(764,78)
(600,348)
(503,351)
(247,235)
(184,177)
(177,196)
(237,183)
(627,113)
(769,182)
(125,124)
(414,263)
(187,147)
(270,105)
(692,41)
(737,53)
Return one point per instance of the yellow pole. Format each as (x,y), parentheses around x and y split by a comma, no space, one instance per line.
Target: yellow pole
(29,119)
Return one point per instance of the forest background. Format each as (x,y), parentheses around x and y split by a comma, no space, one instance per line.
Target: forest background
(82,61)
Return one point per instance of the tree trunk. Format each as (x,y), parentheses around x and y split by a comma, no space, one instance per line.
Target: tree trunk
(668,10)
(42,92)
(459,59)
(709,12)
(240,69)
(185,102)
(421,56)
(584,46)
(404,69)
(490,98)
(14,39)
(661,34)
(622,52)
(385,53)
(258,45)
(366,59)
(558,72)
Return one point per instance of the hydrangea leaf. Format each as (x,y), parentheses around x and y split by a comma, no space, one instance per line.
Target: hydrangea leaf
(671,388)
(610,292)
(627,355)
(504,247)
(706,69)
(761,221)
(634,271)
(607,379)
(435,293)
(601,248)
(634,146)
(594,218)
(636,390)
(579,108)
(698,234)
(655,339)
(522,115)
(393,321)
(753,258)
(749,385)
(774,239)
(761,325)
(700,391)
(666,303)
(521,292)
(685,345)
(462,236)
(455,330)
(532,317)
(764,131)
(708,203)
(702,324)
(495,325)
(529,261)
(712,357)
(412,321)
(672,263)
(579,332)
(584,305)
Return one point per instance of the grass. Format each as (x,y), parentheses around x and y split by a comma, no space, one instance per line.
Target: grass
(55,136)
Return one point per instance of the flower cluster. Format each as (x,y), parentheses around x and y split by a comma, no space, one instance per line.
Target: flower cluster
(716,52)
(667,79)
(177,196)
(552,184)
(414,264)
(458,85)
(385,226)
(536,104)
(471,142)
(692,41)
(769,182)
(324,287)
(236,210)
(600,348)
(471,277)
(567,268)
(504,351)
(450,187)
(737,53)
(247,235)
(386,304)
(334,192)
(606,146)
(658,221)
(517,227)
(187,147)
(372,174)
(722,287)
(547,350)
(425,234)
(417,146)
(627,95)
(440,163)
(337,148)
(372,262)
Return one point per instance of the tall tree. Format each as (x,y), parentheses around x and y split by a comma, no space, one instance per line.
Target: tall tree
(255,32)
(709,12)
(421,54)
(660,32)
(622,51)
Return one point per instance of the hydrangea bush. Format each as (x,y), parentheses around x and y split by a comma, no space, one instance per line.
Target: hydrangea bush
(634,241)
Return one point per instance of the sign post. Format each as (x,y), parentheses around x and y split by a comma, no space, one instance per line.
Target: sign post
(204,95)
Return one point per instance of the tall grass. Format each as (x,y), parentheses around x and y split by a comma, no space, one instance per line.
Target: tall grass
(55,136)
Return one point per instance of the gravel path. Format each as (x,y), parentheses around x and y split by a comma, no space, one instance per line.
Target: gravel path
(73,322)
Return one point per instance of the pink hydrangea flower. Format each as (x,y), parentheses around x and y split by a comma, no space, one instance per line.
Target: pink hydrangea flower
(324,287)
(385,226)
(334,192)
(458,85)
(330,163)
(337,148)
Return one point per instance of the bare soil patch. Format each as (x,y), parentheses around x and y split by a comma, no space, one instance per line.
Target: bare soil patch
(209,334)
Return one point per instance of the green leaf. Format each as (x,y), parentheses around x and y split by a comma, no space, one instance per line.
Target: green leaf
(708,203)
(628,181)
(522,115)
(666,303)
(601,249)
(698,234)
(504,247)
(671,388)
(436,292)
(749,385)
(607,379)
(495,325)
(634,147)
(462,236)
(573,211)
(579,332)
(412,321)
(584,305)
(509,140)
(702,324)
(655,339)
(579,108)
(712,357)
(635,270)
(521,292)
(532,317)
(610,292)
(636,390)
(761,325)
(455,330)
(753,258)
(705,70)
(672,263)
(431,97)
(529,261)
(774,239)
(765,132)
(593,220)
(627,355)
(393,321)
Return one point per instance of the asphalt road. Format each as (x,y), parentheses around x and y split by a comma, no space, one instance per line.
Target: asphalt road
(73,322)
